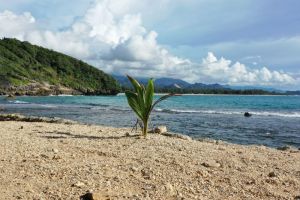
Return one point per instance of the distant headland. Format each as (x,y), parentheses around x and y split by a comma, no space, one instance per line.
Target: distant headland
(27,69)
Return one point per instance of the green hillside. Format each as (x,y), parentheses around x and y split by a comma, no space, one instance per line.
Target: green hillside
(33,70)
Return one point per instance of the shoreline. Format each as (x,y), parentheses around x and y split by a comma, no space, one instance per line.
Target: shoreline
(184,94)
(37,118)
(65,160)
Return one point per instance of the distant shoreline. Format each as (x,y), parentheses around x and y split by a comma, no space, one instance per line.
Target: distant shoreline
(187,94)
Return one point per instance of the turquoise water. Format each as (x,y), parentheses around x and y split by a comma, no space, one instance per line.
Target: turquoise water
(275,120)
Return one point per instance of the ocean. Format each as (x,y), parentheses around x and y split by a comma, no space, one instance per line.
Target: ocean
(275,120)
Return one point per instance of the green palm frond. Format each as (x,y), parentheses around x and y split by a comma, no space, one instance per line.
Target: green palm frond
(141,100)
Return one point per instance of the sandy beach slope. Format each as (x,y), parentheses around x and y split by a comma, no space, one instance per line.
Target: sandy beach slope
(63,161)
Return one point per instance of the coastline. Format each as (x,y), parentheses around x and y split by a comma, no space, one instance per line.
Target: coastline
(61,160)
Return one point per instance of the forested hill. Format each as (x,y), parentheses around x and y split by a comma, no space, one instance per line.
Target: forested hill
(27,69)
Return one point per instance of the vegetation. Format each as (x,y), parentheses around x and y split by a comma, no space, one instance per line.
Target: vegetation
(22,64)
(141,101)
(210,91)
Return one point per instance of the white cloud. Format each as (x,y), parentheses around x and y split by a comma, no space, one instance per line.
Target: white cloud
(223,70)
(117,42)
(13,25)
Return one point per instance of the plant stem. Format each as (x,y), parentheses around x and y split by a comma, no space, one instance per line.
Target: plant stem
(145,128)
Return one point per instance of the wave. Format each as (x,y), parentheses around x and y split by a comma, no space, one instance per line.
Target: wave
(65,95)
(112,109)
(293,114)
(18,102)
(48,106)
(95,104)
(262,113)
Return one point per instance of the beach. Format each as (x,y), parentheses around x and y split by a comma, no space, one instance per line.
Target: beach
(42,160)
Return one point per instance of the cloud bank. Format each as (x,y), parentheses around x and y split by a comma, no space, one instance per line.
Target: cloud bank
(111,38)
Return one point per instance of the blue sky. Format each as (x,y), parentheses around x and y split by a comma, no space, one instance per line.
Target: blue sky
(249,42)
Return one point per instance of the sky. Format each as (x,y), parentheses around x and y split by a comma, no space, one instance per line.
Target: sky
(249,42)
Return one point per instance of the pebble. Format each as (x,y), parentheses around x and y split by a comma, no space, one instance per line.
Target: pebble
(134,169)
(211,163)
(44,156)
(55,150)
(56,157)
(272,174)
(160,129)
(92,196)
(170,189)
(146,173)
(78,184)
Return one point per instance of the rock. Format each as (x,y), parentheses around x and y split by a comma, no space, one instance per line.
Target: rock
(272,174)
(174,135)
(297,197)
(44,156)
(247,114)
(170,189)
(284,148)
(146,173)
(127,134)
(92,196)
(55,150)
(160,129)
(134,169)
(211,163)
(56,157)
(78,184)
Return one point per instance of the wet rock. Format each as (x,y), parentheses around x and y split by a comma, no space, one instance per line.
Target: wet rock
(211,163)
(160,129)
(284,148)
(247,114)
(18,117)
(183,137)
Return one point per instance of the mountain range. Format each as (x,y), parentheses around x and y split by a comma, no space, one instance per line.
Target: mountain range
(169,83)
(165,83)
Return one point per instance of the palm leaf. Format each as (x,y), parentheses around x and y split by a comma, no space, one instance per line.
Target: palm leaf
(134,83)
(149,95)
(139,89)
(132,99)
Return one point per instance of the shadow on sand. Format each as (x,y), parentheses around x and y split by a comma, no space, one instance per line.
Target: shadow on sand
(65,135)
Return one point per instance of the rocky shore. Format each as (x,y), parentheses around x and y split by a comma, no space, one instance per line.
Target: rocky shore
(37,89)
(58,160)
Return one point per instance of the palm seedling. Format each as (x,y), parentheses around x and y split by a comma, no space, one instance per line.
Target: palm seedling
(141,101)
